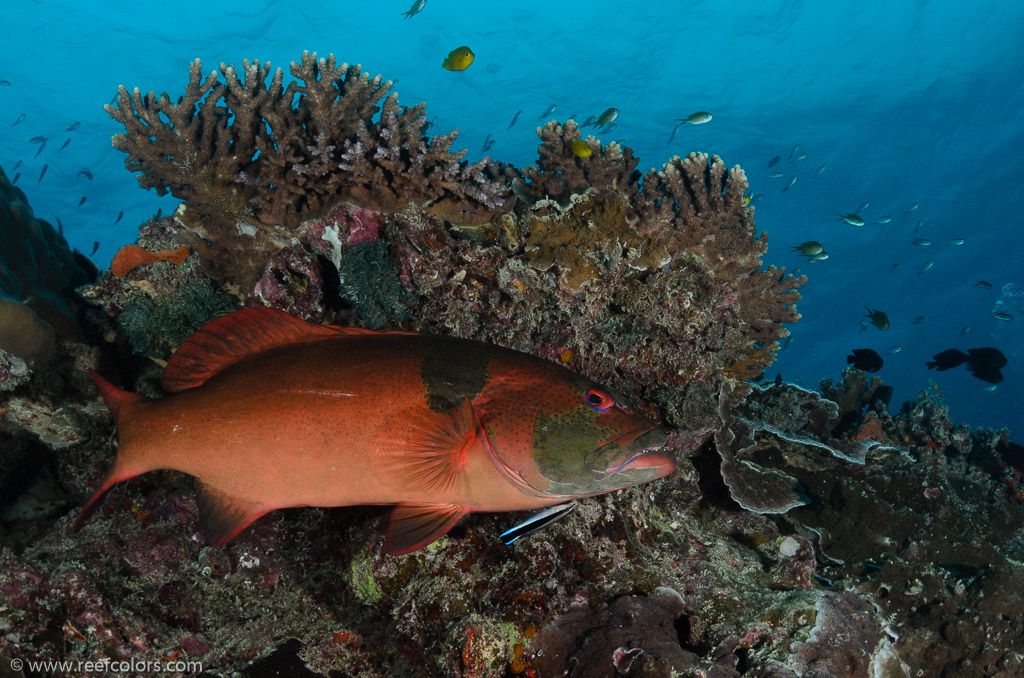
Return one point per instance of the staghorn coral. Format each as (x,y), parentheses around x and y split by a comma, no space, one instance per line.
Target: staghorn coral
(252,159)
(38,274)
(559,173)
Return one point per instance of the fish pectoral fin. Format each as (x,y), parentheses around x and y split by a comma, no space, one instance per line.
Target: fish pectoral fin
(412,526)
(222,515)
(439,446)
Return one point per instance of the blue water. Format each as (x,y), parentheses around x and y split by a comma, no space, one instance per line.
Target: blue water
(902,101)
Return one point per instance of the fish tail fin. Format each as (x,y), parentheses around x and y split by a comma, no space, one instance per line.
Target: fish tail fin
(114,397)
(123,469)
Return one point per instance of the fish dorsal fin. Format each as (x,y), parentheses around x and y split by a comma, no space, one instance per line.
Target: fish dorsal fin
(412,526)
(439,448)
(223,516)
(230,338)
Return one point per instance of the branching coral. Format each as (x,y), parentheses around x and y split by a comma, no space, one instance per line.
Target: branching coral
(38,274)
(560,173)
(253,158)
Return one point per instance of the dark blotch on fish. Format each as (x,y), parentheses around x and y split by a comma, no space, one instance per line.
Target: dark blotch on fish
(983,363)
(865,359)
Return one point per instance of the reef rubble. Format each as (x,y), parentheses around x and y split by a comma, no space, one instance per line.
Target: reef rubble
(803,532)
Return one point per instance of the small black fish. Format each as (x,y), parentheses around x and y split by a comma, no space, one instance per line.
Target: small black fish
(20,118)
(774,161)
(75,125)
(38,140)
(60,226)
(95,246)
(119,215)
(65,144)
(41,147)
(983,284)
(865,359)
(983,363)
(15,179)
(515,118)
(5,83)
(42,174)
(82,201)
(87,173)
(488,144)
(16,166)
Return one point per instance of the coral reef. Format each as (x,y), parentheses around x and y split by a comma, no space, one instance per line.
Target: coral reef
(38,274)
(252,159)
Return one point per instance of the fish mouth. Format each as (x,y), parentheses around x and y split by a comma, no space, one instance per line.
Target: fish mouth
(639,457)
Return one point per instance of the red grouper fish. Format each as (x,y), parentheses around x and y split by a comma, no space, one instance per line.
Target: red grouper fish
(269,411)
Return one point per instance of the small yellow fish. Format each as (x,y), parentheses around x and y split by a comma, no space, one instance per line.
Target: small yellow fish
(581,150)
(746,200)
(459,59)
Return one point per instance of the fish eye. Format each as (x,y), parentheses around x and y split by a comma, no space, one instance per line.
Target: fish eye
(599,400)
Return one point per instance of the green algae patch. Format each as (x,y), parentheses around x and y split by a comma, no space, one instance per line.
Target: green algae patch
(363,584)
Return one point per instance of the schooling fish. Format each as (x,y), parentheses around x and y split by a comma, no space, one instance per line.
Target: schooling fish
(458,59)
(865,359)
(416,8)
(851,219)
(20,118)
(863,206)
(548,111)
(81,201)
(84,172)
(42,173)
(878,318)
(983,284)
(16,165)
(75,125)
(65,144)
(913,207)
(488,144)
(119,215)
(515,118)
(819,170)
(268,411)
(607,118)
(60,226)
(17,175)
(698,118)
(5,83)
(95,246)
(774,161)
(775,175)
(883,220)
(789,184)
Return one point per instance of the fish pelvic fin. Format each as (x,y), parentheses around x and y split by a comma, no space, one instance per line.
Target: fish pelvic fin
(411,526)
(439,447)
(231,338)
(222,515)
